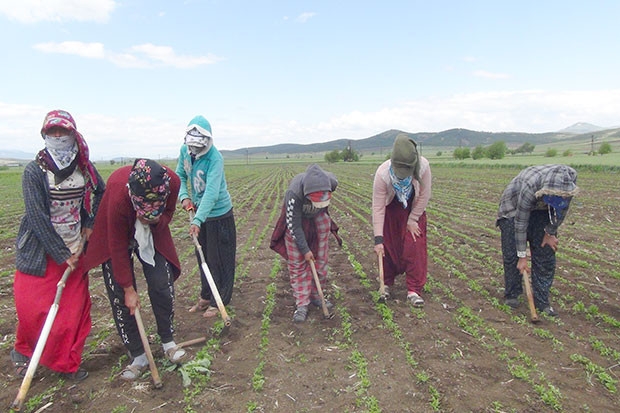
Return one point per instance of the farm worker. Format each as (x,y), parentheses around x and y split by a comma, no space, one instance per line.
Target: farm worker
(133,220)
(400,193)
(62,191)
(532,208)
(204,190)
(301,235)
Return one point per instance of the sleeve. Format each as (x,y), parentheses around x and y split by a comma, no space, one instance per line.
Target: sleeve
(182,174)
(38,214)
(293,208)
(526,202)
(118,244)
(379,195)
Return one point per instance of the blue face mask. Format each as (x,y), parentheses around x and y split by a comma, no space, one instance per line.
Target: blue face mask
(559,204)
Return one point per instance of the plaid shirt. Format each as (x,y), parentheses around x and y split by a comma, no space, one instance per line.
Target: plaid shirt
(524,195)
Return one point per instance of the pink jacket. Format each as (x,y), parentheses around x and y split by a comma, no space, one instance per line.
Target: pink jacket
(383,193)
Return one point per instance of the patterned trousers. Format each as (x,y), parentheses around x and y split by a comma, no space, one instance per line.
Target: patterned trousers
(160,287)
(300,272)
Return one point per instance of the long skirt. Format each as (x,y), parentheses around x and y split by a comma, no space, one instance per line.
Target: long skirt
(34,297)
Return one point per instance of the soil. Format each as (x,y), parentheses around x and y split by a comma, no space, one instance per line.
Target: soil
(461,353)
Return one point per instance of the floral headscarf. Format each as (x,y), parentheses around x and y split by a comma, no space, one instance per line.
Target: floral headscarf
(149,187)
(63,119)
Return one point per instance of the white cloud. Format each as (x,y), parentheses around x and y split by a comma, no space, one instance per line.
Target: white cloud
(140,56)
(33,11)
(304,17)
(88,50)
(532,111)
(167,56)
(490,75)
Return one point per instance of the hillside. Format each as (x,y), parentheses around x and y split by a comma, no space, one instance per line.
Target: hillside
(449,139)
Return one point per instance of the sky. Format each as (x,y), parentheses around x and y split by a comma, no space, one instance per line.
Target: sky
(263,72)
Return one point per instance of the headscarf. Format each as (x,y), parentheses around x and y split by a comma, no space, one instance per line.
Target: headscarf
(149,187)
(402,187)
(44,158)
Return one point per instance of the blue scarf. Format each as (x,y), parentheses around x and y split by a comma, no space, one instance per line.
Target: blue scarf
(559,205)
(402,187)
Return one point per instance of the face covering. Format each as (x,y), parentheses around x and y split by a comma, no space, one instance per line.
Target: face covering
(195,150)
(402,187)
(62,149)
(558,204)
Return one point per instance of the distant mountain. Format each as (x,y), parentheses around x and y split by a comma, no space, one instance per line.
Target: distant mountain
(10,154)
(451,138)
(582,127)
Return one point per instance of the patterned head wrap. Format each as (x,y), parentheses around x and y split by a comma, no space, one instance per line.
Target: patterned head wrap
(149,187)
(63,119)
(320,199)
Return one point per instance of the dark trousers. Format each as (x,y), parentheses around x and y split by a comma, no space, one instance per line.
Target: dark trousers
(543,259)
(160,287)
(218,239)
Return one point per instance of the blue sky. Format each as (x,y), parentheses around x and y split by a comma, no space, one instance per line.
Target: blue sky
(134,72)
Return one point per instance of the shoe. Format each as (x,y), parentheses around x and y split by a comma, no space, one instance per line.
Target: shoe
(386,291)
(20,362)
(79,375)
(176,355)
(211,312)
(549,311)
(512,302)
(133,372)
(300,314)
(201,305)
(415,299)
(317,303)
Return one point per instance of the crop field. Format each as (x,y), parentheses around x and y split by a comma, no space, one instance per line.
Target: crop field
(465,351)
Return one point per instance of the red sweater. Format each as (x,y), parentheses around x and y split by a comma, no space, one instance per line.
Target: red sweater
(115,225)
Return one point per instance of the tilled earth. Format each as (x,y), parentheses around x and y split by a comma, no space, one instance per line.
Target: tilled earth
(463,352)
